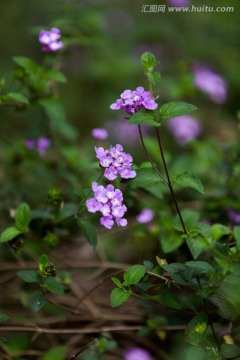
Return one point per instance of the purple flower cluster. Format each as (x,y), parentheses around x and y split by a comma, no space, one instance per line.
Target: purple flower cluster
(133,101)
(116,161)
(41,145)
(50,40)
(109,202)
(211,83)
(184,128)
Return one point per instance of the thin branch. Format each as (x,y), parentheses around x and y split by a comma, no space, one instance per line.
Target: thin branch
(149,157)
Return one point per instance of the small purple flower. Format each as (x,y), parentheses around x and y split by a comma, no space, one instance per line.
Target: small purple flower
(50,40)
(100,134)
(134,101)
(211,83)
(145,216)
(116,162)
(109,202)
(234,217)
(41,145)
(179,3)
(184,128)
(136,353)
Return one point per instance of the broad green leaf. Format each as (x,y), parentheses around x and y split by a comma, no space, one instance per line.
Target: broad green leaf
(148,61)
(154,78)
(195,246)
(116,281)
(170,243)
(29,276)
(28,64)
(88,231)
(189,180)
(190,219)
(56,114)
(22,217)
(169,299)
(43,262)
(144,117)
(53,285)
(219,230)
(9,234)
(134,274)
(68,210)
(230,351)
(175,108)
(37,301)
(3,317)
(14,97)
(174,267)
(57,353)
(197,329)
(194,353)
(230,289)
(146,178)
(200,266)
(236,233)
(119,296)
(56,76)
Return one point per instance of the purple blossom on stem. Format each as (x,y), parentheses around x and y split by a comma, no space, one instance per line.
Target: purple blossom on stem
(136,353)
(109,202)
(184,128)
(100,134)
(116,162)
(145,216)
(211,83)
(50,40)
(134,101)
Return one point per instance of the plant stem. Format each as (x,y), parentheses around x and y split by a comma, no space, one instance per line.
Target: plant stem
(185,231)
(149,157)
(169,181)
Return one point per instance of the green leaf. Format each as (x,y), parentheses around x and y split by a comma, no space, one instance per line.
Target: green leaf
(195,246)
(197,329)
(9,234)
(170,243)
(148,61)
(169,299)
(200,266)
(28,64)
(175,108)
(189,180)
(56,114)
(14,97)
(119,296)
(56,76)
(29,276)
(88,231)
(43,262)
(230,351)
(236,233)
(134,274)
(219,230)
(37,302)
(68,210)
(117,282)
(190,219)
(146,178)
(3,317)
(22,217)
(194,353)
(53,285)
(154,78)
(144,117)
(57,353)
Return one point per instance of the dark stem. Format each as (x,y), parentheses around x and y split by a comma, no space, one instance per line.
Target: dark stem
(169,181)
(149,157)
(185,230)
